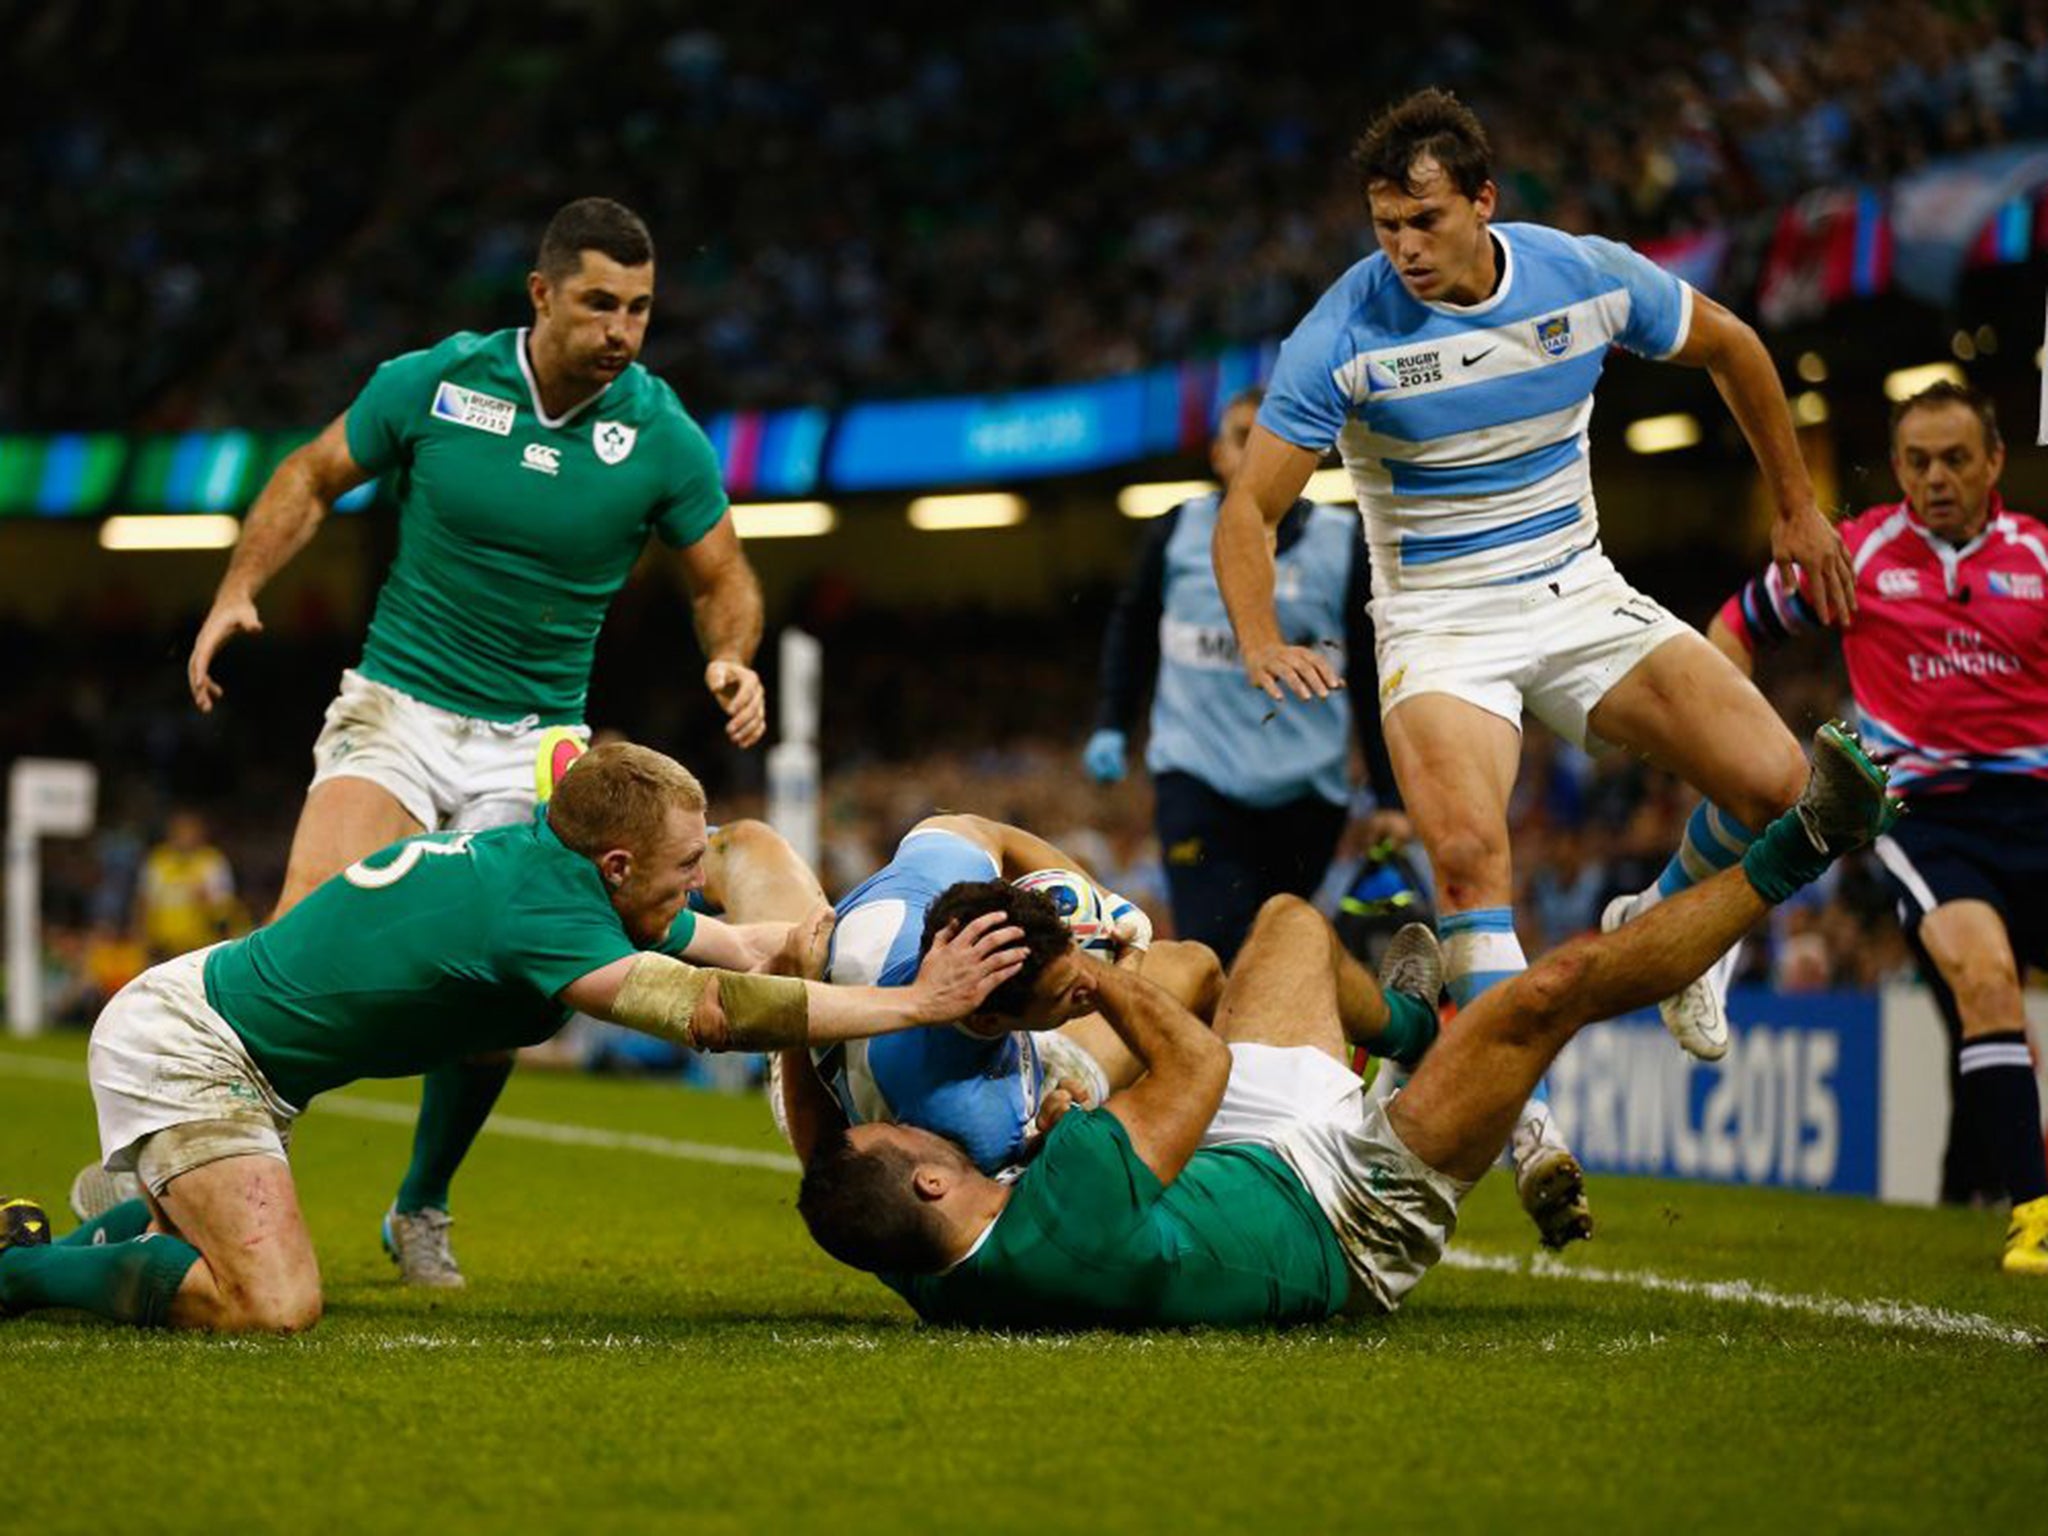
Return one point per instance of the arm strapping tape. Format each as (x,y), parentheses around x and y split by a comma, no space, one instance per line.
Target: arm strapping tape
(661,997)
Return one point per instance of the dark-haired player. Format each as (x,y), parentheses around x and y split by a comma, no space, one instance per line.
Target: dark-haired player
(988,1081)
(1244,1178)
(1948,661)
(1454,372)
(529,467)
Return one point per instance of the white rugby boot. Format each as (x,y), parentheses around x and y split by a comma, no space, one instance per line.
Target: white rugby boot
(1548,1179)
(1697,1013)
(418,1245)
(95,1191)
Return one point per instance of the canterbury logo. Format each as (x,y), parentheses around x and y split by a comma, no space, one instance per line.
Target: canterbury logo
(543,458)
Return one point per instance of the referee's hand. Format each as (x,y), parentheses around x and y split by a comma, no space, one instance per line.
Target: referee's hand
(1295,668)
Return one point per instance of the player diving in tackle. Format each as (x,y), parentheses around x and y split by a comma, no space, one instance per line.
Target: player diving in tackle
(1244,1178)
(437,946)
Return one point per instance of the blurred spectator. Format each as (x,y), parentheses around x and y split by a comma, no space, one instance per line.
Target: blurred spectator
(185,898)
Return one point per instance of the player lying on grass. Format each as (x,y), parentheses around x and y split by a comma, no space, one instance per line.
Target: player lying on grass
(436,946)
(985,1083)
(1244,1178)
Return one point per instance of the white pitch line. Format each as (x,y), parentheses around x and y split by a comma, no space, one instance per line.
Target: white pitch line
(516,1126)
(1907,1316)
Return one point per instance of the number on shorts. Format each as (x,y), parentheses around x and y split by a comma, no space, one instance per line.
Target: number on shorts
(1639,610)
(374,877)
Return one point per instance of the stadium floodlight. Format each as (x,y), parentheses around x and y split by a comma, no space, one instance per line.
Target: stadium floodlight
(981,509)
(1156,498)
(1332,487)
(1662,434)
(783,519)
(1904,383)
(1810,408)
(199,530)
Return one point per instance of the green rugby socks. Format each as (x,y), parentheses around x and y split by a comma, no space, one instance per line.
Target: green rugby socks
(454,1105)
(131,1282)
(1410,1030)
(117,1224)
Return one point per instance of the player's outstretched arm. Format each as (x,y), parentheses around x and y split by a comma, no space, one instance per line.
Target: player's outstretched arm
(1018,853)
(300,494)
(725,606)
(770,948)
(1266,485)
(1748,380)
(717,1010)
(1166,1111)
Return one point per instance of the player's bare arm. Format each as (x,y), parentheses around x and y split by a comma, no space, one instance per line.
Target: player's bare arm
(1748,380)
(1265,487)
(1019,853)
(1187,1068)
(725,606)
(719,1010)
(300,494)
(772,948)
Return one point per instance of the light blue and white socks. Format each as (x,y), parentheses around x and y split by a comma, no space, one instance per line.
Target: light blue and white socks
(1481,950)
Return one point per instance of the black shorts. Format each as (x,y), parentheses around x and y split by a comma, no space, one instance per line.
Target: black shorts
(1987,842)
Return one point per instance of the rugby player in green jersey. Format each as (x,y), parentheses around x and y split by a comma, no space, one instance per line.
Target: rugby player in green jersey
(529,467)
(433,947)
(1244,1178)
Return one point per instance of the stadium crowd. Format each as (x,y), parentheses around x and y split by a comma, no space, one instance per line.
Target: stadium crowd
(854,211)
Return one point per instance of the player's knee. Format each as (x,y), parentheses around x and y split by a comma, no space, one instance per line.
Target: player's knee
(1471,866)
(1778,779)
(295,1310)
(1546,995)
(1284,917)
(1203,970)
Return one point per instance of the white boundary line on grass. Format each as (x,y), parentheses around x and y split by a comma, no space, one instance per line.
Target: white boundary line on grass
(48,1070)
(1905,1316)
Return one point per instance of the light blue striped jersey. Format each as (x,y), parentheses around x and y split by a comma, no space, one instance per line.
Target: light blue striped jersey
(1464,426)
(982,1093)
(1205,719)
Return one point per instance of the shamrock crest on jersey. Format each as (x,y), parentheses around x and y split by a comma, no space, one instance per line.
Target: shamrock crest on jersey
(613,440)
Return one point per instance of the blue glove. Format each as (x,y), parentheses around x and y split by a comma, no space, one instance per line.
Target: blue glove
(1103,757)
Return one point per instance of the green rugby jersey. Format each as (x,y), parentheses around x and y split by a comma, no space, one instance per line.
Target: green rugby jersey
(438,947)
(516,531)
(1091,1239)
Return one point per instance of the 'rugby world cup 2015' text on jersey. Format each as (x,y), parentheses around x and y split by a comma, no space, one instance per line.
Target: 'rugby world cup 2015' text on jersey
(1464,426)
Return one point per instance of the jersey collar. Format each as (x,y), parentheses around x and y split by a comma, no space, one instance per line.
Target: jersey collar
(1493,300)
(533,387)
(1952,556)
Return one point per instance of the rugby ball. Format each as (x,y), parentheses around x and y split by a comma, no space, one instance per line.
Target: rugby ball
(1079,904)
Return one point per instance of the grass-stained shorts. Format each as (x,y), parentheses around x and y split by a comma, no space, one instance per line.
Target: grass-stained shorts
(163,1061)
(1391,1211)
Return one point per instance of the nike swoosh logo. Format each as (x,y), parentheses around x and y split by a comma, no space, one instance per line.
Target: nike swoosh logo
(1476,356)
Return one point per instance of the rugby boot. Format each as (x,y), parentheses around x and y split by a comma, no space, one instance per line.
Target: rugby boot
(418,1245)
(95,1191)
(23,1224)
(2026,1240)
(1846,802)
(1696,1015)
(1549,1181)
(1414,964)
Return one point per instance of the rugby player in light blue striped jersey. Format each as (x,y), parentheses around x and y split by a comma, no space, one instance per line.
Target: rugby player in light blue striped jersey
(1454,371)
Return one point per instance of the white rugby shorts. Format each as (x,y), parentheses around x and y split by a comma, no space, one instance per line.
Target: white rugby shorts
(1391,1211)
(162,1058)
(450,772)
(1552,647)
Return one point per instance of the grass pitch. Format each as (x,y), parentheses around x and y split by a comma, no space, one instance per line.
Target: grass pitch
(649,1341)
